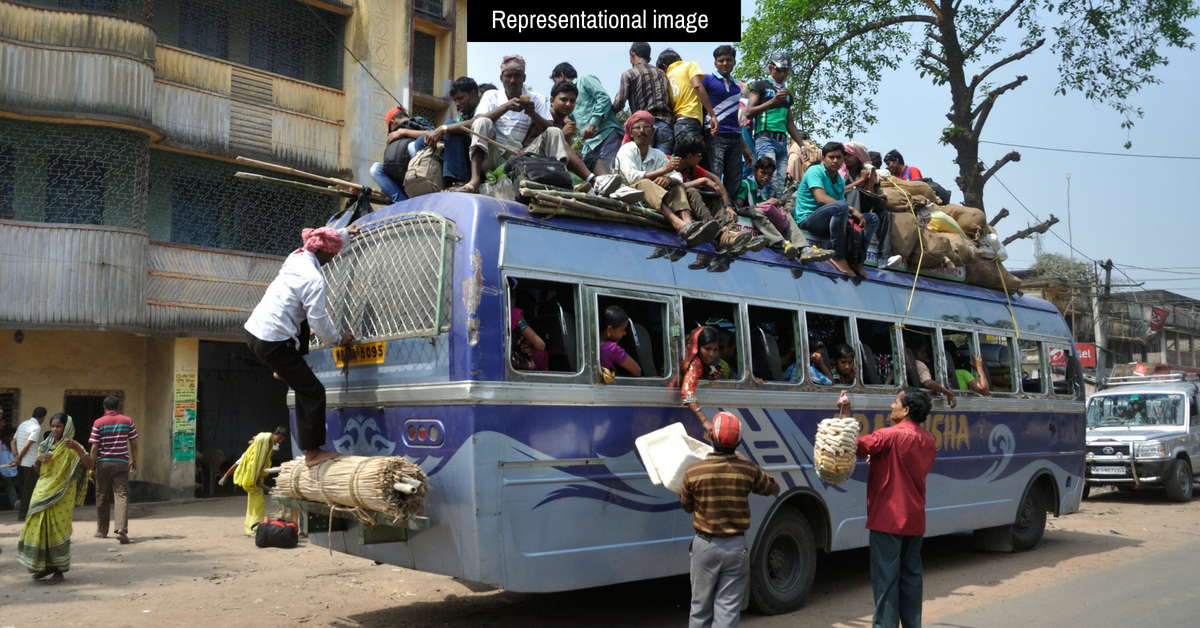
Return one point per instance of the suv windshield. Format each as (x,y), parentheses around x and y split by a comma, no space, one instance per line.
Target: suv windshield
(1128,410)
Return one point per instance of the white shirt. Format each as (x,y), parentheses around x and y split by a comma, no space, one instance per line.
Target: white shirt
(513,126)
(297,293)
(29,431)
(632,167)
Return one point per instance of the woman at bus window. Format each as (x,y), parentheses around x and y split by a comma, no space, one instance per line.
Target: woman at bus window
(818,370)
(614,324)
(528,348)
(844,372)
(977,383)
(700,362)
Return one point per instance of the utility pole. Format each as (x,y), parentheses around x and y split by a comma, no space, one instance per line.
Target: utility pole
(1100,316)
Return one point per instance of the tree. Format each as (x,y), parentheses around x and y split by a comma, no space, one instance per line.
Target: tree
(1070,271)
(1107,50)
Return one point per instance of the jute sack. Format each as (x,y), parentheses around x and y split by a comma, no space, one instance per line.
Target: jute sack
(986,273)
(938,249)
(914,189)
(973,221)
(962,250)
(904,235)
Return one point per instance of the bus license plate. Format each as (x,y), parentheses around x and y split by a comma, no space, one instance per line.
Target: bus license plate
(1108,470)
(359,354)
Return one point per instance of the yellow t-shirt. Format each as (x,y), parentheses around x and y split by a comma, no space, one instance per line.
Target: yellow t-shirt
(683,95)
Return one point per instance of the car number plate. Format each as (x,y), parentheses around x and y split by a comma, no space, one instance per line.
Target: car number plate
(354,355)
(1108,471)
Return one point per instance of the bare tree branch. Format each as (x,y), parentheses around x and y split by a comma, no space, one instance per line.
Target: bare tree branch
(938,72)
(984,109)
(978,78)
(1025,233)
(925,52)
(935,37)
(992,29)
(1001,216)
(933,7)
(1012,156)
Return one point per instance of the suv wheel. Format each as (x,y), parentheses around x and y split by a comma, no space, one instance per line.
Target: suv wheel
(1030,525)
(1179,481)
(783,564)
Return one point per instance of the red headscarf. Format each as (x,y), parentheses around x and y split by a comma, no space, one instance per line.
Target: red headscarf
(726,430)
(321,240)
(691,352)
(644,116)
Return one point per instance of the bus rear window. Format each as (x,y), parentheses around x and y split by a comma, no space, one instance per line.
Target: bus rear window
(644,338)
(723,316)
(543,326)
(773,342)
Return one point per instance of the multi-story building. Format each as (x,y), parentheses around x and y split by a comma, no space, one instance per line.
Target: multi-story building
(130,254)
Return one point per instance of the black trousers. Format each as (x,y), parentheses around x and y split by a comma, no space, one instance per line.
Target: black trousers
(283,358)
(29,478)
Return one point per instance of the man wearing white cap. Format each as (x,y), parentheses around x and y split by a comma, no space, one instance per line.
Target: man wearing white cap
(278,331)
(770,105)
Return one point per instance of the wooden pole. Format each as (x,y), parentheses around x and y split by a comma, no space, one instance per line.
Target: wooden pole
(295,184)
(490,141)
(549,199)
(375,196)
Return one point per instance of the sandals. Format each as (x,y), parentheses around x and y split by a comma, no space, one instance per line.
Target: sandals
(694,233)
(38,575)
(56,578)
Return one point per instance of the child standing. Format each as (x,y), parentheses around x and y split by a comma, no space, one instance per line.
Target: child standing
(614,323)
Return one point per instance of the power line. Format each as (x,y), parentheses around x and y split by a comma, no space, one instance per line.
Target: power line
(1086,152)
(342,41)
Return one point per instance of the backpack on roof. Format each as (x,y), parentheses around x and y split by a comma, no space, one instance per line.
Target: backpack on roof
(424,174)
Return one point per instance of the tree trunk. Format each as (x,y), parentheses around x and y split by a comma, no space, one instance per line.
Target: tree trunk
(961,134)
(970,172)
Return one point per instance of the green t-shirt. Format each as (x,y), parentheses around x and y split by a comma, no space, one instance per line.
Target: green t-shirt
(748,191)
(964,377)
(816,177)
(775,118)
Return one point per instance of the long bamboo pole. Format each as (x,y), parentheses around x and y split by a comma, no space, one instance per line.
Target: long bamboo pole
(547,199)
(295,184)
(349,186)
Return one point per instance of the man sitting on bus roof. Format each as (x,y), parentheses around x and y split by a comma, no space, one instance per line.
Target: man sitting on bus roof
(821,209)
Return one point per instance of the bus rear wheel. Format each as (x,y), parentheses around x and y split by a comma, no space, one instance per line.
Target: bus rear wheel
(1030,525)
(783,564)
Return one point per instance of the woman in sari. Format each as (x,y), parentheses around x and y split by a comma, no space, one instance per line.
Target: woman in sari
(249,472)
(700,362)
(62,464)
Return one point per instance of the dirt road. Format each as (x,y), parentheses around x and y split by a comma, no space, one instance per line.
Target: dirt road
(189,565)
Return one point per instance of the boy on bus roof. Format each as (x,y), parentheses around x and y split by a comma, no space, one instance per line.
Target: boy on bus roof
(715,491)
(770,218)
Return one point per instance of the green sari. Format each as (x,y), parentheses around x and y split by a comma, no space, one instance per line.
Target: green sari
(45,541)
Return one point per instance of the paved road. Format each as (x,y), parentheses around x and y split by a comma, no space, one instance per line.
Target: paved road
(1159,590)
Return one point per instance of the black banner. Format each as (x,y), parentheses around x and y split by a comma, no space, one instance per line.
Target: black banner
(496,21)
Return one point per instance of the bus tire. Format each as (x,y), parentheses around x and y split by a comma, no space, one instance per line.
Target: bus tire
(1179,481)
(783,564)
(1030,525)
(1087,491)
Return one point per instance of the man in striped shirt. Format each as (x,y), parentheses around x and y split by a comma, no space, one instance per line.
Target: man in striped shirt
(715,491)
(114,448)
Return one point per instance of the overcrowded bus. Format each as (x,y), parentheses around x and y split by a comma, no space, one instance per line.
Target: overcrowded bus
(536,485)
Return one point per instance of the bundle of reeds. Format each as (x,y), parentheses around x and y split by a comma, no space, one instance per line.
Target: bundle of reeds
(552,201)
(390,485)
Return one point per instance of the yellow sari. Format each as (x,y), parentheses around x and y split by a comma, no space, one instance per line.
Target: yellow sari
(248,474)
(45,541)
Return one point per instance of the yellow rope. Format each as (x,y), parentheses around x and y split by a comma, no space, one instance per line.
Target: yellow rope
(920,260)
(1007,298)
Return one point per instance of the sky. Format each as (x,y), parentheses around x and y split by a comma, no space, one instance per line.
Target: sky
(1134,211)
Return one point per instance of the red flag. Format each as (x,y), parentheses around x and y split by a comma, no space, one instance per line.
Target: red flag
(1158,318)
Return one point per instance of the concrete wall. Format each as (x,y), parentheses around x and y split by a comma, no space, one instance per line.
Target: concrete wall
(183,474)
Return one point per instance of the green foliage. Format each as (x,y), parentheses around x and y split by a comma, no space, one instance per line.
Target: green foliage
(1071,271)
(1107,50)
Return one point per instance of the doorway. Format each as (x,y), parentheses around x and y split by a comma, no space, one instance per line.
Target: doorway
(84,407)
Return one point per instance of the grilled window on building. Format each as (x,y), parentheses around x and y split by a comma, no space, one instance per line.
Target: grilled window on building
(424,62)
(8,172)
(10,399)
(432,8)
(204,29)
(109,6)
(277,49)
(75,190)
(196,209)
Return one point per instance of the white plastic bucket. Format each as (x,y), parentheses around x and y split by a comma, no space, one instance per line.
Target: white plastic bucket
(667,453)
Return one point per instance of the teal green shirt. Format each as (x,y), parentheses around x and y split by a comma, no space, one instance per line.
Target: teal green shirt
(816,177)
(594,107)
(964,378)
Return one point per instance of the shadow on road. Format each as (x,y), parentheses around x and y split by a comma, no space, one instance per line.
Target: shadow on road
(841,593)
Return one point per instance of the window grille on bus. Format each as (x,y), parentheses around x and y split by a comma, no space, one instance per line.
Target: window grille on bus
(393,279)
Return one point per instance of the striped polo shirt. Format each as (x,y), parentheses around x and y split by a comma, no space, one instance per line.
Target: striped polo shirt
(113,431)
(715,491)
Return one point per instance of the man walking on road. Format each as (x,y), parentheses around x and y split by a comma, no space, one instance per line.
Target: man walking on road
(114,450)
(28,435)
(715,491)
(900,458)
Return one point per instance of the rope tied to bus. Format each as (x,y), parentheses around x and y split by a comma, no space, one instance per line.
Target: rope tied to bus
(920,260)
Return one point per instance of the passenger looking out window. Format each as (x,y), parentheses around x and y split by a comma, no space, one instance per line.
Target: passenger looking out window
(728,354)
(614,325)
(975,382)
(818,369)
(844,371)
(528,348)
(917,354)
(700,361)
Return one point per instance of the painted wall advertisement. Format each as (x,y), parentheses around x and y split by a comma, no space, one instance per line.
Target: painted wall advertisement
(183,423)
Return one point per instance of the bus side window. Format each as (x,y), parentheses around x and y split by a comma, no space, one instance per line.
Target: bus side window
(544,334)
(1032,368)
(829,336)
(958,350)
(921,356)
(644,337)
(1062,370)
(877,353)
(722,316)
(774,336)
(997,352)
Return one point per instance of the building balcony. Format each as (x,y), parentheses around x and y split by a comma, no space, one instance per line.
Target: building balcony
(57,63)
(209,105)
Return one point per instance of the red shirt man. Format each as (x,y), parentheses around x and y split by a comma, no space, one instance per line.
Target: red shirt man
(900,458)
